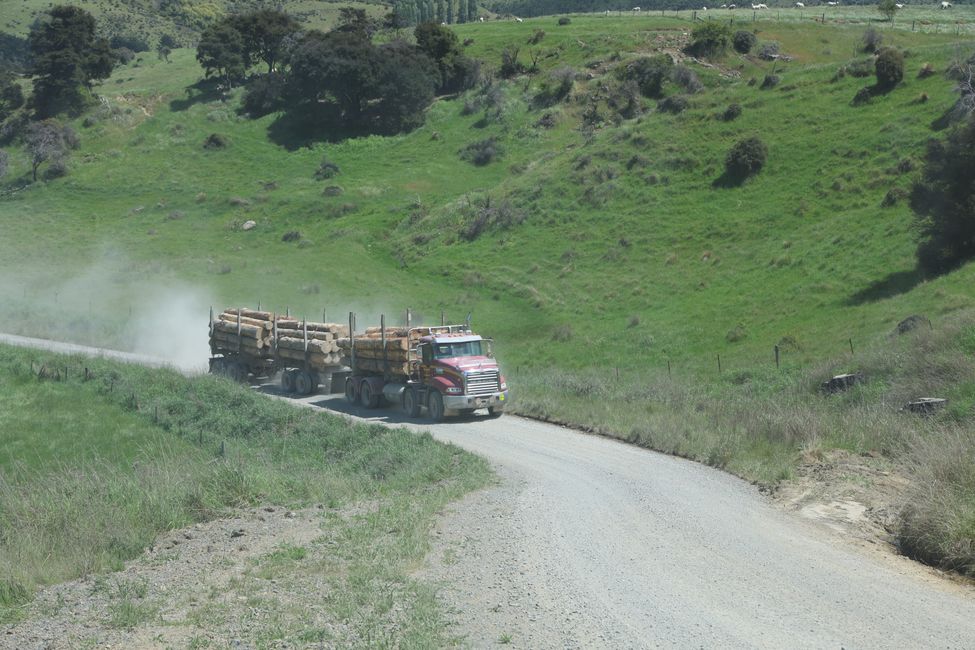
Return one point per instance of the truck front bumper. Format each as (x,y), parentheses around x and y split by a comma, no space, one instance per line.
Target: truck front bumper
(496,401)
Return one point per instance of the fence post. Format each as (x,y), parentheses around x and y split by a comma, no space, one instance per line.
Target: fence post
(852,353)
(719,363)
(776,356)
(668,370)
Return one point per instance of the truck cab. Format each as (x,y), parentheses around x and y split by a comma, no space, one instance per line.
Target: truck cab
(459,370)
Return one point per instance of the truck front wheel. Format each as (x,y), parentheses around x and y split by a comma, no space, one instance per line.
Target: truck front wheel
(411,403)
(436,406)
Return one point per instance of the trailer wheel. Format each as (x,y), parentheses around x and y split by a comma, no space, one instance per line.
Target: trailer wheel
(366,397)
(436,406)
(217,366)
(303,383)
(237,371)
(287,381)
(411,403)
(350,395)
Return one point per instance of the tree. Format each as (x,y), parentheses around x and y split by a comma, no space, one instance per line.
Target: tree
(68,59)
(221,51)
(889,68)
(46,142)
(888,8)
(944,201)
(263,33)
(338,66)
(4,163)
(743,41)
(11,95)
(405,86)
(356,21)
(471,10)
(450,12)
(441,45)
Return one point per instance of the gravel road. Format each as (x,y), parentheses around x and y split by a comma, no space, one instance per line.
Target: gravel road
(589,542)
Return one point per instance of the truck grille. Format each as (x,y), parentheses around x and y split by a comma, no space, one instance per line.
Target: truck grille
(482,382)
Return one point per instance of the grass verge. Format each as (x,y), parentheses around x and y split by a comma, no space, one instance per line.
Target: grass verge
(100,457)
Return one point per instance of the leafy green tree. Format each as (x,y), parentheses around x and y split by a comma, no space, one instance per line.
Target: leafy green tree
(263,33)
(405,86)
(221,52)
(471,10)
(68,59)
(337,66)
(450,12)
(11,95)
(743,41)
(888,8)
(746,157)
(4,163)
(944,201)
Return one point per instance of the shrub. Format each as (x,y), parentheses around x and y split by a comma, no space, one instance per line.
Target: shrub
(686,79)
(291,235)
(863,96)
(743,41)
(731,113)
(889,67)
(871,40)
(326,169)
(4,163)
(482,152)
(564,20)
(860,68)
(510,66)
(770,81)
(536,37)
(215,141)
(673,104)
(746,158)
(710,39)
(926,71)
(769,51)
(648,73)
(556,86)
(123,55)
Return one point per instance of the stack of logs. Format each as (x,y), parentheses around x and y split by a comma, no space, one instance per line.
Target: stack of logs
(264,334)
(322,350)
(400,343)
(245,330)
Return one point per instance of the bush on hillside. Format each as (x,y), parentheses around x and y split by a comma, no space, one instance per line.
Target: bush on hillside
(871,40)
(648,73)
(132,42)
(674,104)
(889,68)
(564,20)
(769,51)
(746,158)
(731,113)
(326,170)
(215,141)
(709,40)
(510,66)
(770,81)
(482,152)
(743,41)
(556,86)
(686,79)
(537,36)
(860,68)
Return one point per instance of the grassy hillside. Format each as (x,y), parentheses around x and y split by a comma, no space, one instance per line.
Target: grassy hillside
(605,254)
(101,457)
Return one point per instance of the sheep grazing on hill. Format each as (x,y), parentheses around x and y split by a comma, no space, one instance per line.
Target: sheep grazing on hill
(636,10)
(518,20)
(946,5)
(832,4)
(760,6)
(898,5)
(799,5)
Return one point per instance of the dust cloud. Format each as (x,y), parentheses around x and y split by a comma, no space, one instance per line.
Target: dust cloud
(114,303)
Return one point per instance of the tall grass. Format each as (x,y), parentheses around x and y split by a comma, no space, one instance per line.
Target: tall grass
(757,422)
(179,450)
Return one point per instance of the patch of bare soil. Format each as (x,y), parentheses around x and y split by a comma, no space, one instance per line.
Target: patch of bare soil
(857,496)
(214,584)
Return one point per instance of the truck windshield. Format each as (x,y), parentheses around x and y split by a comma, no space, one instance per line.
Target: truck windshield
(465,349)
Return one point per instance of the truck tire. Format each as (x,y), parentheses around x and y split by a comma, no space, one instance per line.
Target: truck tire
(435,406)
(217,366)
(411,403)
(350,395)
(366,397)
(287,381)
(494,412)
(304,384)
(237,371)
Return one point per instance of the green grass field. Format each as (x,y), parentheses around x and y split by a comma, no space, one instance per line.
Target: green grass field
(623,273)
(95,465)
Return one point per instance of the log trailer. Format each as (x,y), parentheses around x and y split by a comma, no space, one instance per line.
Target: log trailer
(445,369)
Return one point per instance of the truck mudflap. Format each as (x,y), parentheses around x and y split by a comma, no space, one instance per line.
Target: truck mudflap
(496,401)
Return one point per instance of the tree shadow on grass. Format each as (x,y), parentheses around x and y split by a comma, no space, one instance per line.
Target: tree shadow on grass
(894,284)
(202,92)
(727,180)
(299,128)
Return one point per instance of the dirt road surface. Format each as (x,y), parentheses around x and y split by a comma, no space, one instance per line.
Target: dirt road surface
(588,542)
